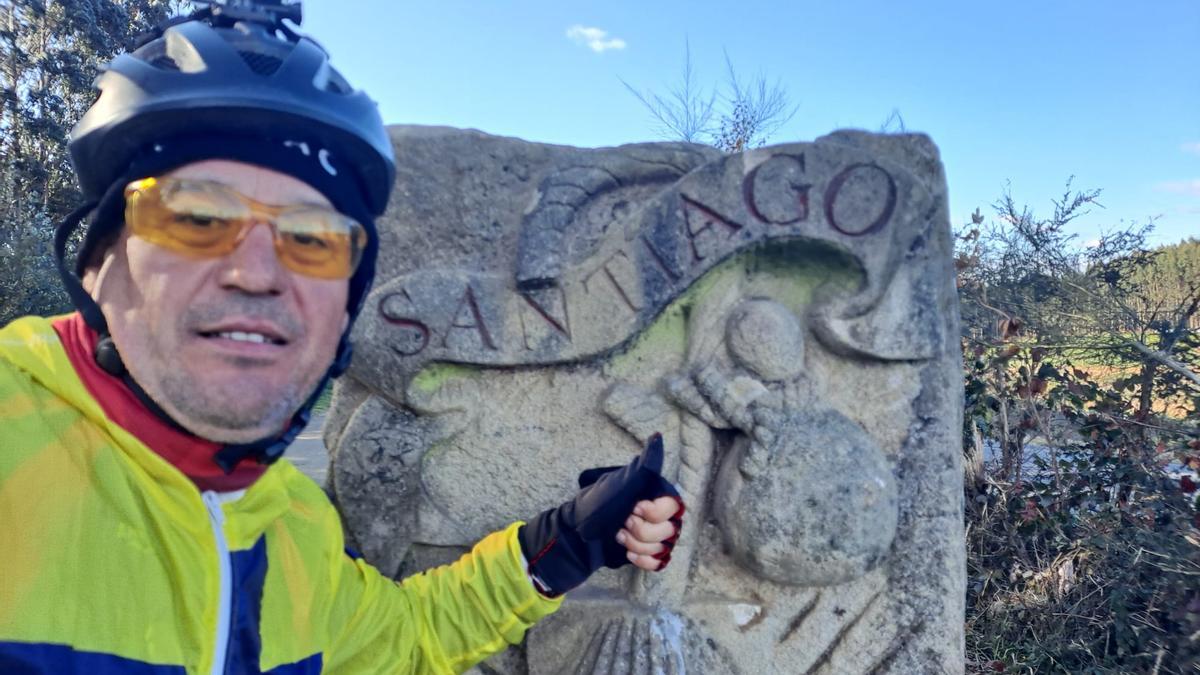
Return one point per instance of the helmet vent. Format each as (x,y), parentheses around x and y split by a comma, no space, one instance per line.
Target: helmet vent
(261,63)
(164,63)
(335,83)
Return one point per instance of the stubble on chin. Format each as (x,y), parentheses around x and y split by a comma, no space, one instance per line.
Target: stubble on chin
(231,413)
(238,410)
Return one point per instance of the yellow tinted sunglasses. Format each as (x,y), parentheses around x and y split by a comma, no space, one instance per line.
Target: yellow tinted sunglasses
(208,219)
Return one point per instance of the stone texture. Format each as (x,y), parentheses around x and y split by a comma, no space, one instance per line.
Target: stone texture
(785,317)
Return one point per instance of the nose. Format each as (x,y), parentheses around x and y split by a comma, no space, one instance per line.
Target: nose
(254,267)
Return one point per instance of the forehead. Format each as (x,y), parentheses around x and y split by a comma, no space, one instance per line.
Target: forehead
(259,183)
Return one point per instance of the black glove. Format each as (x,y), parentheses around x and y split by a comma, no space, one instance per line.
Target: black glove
(564,546)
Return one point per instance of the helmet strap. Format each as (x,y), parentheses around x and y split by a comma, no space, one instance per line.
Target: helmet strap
(269,450)
(106,354)
(74,287)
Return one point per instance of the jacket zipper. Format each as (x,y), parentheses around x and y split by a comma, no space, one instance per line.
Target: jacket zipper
(212,501)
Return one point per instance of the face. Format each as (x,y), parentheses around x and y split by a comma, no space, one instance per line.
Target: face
(230,347)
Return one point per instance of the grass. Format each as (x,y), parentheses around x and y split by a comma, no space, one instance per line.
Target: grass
(322,403)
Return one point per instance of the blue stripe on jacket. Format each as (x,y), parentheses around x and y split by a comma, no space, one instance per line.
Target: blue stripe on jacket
(34,658)
(249,569)
(43,658)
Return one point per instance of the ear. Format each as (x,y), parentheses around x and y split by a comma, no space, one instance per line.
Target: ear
(89,279)
(100,254)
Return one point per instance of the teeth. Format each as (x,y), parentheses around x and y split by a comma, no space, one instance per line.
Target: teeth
(239,336)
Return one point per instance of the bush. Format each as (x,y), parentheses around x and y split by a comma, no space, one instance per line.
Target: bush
(1083,553)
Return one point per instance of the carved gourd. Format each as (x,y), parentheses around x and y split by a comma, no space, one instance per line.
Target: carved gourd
(816,507)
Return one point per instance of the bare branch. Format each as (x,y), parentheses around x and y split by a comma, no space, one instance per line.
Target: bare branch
(754,111)
(744,115)
(894,124)
(686,112)
(1166,361)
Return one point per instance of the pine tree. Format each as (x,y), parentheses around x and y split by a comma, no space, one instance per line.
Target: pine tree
(50,52)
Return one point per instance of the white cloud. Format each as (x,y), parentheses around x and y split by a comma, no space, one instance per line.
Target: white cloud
(595,39)
(1193,148)
(1182,187)
(1093,243)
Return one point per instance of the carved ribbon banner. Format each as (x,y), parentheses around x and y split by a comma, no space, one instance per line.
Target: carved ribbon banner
(820,192)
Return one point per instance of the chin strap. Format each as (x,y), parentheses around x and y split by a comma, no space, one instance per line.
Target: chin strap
(79,297)
(107,356)
(109,360)
(268,450)
(265,451)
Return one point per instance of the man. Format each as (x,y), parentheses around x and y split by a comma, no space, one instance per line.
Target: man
(147,526)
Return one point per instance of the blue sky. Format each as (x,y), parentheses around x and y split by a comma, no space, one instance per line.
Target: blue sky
(1021,93)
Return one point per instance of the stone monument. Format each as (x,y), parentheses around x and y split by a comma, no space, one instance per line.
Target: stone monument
(785,316)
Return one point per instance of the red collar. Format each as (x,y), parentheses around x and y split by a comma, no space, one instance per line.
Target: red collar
(190,454)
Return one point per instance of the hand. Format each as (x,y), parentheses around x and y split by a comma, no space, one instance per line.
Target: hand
(650,532)
(565,545)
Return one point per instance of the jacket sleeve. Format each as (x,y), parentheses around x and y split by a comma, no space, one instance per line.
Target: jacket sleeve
(442,620)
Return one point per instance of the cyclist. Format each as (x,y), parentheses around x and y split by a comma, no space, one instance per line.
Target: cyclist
(232,178)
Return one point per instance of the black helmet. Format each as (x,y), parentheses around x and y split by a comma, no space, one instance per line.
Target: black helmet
(233,80)
(230,69)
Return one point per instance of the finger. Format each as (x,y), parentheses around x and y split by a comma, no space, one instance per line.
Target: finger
(636,545)
(646,562)
(658,511)
(651,533)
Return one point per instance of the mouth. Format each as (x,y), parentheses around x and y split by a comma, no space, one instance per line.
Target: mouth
(248,333)
(244,336)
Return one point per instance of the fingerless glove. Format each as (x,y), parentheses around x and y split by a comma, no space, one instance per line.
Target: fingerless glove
(565,545)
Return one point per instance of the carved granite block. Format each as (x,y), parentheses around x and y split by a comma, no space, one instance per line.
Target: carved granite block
(785,317)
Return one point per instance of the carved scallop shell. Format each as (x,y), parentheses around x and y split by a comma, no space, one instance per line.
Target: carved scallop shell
(600,641)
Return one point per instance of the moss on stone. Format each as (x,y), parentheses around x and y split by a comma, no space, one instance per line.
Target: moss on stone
(433,376)
(789,272)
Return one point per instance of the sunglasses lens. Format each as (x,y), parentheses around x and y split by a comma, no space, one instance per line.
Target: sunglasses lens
(320,242)
(207,219)
(187,217)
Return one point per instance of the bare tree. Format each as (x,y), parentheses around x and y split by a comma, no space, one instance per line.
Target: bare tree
(1029,271)
(893,123)
(686,112)
(741,115)
(49,55)
(755,111)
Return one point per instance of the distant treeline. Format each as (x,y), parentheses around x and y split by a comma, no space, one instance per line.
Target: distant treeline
(1166,280)
(1058,292)
(49,54)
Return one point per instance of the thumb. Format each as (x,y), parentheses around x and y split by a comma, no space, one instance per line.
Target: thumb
(652,454)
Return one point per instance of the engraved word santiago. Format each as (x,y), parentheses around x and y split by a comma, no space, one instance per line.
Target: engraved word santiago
(797,191)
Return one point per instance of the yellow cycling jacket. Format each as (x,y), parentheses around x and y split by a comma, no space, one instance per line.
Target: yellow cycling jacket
(111,560)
